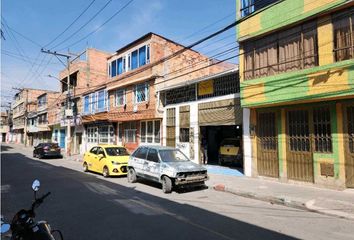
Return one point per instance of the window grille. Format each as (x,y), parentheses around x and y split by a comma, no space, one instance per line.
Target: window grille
(322,130)
(299,133)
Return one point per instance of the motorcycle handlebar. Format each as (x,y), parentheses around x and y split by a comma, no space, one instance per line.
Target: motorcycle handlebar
(39,201)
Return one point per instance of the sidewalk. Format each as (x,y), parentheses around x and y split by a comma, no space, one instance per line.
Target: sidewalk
(325,201)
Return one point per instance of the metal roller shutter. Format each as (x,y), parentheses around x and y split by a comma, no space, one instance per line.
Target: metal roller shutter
(223,112)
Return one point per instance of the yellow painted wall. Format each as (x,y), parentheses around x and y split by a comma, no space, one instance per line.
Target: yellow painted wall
(325,40)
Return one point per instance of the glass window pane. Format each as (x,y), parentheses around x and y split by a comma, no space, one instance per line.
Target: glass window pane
(149,131)
(142,56)
(114,69)
(120,66)
(134,59)
(157,131)
(101,100)
(143,132)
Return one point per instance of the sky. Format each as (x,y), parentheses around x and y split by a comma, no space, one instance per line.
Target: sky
(28,26)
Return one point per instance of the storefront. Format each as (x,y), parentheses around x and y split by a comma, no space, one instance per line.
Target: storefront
(200,116)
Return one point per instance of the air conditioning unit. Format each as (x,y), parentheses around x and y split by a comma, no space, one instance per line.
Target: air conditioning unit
(135,108)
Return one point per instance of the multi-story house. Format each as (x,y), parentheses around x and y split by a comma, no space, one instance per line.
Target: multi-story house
(37,120)
(4,126)
(86,72)
(25,102)
(297,87)
(128,110)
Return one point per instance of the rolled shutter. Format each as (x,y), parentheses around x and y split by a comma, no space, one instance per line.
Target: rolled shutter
(223,112)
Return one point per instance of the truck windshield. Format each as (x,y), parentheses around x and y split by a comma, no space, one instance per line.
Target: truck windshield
(172,155)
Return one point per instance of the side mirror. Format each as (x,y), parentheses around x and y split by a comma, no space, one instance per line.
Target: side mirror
(4,227)
(35,185)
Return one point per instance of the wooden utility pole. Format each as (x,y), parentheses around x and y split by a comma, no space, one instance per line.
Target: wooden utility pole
(68,97)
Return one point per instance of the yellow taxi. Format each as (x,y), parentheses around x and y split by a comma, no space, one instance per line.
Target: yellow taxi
(109,160)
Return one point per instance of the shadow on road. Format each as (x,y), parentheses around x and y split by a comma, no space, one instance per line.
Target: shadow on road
(5,148)
(85,207)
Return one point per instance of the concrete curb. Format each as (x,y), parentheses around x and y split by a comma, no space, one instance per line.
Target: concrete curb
(307,206)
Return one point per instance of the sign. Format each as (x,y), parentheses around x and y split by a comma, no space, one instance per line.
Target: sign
(206,87)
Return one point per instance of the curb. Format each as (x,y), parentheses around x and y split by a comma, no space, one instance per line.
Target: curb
(308,206)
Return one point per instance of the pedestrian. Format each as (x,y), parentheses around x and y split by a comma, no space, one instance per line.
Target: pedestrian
(205,149)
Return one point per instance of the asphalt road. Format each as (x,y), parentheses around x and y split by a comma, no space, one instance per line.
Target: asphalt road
(87,206)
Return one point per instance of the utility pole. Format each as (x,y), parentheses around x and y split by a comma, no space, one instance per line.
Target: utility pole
(68,98)
(26,115)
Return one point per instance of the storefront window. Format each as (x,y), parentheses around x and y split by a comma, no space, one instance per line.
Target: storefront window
(130,132)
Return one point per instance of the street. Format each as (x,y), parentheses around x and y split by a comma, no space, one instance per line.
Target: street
(87,206)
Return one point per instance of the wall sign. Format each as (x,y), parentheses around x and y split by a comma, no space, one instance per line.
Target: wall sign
(206,87)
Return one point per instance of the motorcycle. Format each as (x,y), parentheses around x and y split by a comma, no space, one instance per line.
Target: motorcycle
(24,227)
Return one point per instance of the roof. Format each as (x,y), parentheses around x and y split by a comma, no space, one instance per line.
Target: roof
(107,145)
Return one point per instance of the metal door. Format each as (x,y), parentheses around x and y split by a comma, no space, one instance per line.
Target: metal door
(62,138)
(299,154)
(349,145)
(267,145)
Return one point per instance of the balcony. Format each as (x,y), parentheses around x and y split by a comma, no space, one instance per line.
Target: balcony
(4,129)
(18,113)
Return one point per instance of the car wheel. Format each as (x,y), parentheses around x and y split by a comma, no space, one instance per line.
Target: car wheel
(131,176)
(34,155)
(220,162)
(105,172)
(166,184)
(85,167)
(40,156)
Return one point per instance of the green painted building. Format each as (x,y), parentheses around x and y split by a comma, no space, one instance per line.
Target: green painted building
(297,84)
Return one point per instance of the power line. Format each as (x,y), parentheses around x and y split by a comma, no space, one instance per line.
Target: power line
(85,24)
(60,34)
(98,28)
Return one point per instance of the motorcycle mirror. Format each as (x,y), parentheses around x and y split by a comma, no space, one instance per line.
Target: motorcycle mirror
(35,185)
(5,227)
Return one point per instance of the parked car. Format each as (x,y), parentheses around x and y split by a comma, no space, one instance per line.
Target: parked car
(109,160)
(230,151)
(168,166)
(47,150)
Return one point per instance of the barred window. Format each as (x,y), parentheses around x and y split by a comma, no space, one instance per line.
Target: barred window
(322,130)
(267,131)
(180,95)
(343,35)
(299,133)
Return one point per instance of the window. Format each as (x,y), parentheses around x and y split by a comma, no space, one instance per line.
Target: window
(286,51)
(152,155)
(130,132)
(92,135)
(114,68)
(42,100)
(250,6)
(93,150)
(141,92)
(120,66)
(343,35)
(120,97)
(130,61)
(184,134)
(141,153)
(150,131)
(322,130)
(157,131)
(142,56)
(93,102)
(96,102)
(120,132)
(42,119)
(101,100)
(134,60)
(143,132)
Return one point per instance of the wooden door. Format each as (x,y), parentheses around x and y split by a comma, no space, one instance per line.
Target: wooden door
(267,145)
(299,153)
(349,145)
